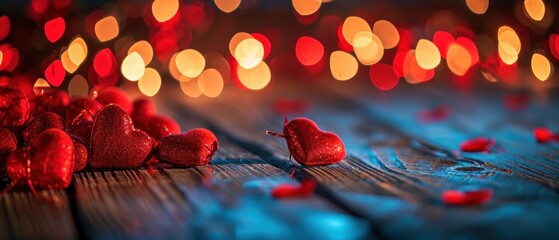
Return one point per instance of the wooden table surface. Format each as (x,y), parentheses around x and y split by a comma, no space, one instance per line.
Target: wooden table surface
(388,187)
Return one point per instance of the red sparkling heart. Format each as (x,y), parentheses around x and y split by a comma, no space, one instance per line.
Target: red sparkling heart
(55,73)
(480,144)
(48,163)
(310,146)
(115,143)
(51,101)
(81,127)
(306,189)
(41,123)
(143,107)
(78,105)
(475,197)
(193,148)
(8,143)
(81,153)
(14,107)
(156,126)
(543,135)
(54,29)
(115,95)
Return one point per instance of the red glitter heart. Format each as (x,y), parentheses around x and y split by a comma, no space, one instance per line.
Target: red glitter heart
(43,122)
(543,135)
(474,197)
(480,144)
(54,29)
(48,162)
(309,145)
(306,189)
(193,148)
(8,143)
(115,144)
(78,105)
(156,126)
(55,73)
(115,95)
(14,107)
(51,101)
(81,153)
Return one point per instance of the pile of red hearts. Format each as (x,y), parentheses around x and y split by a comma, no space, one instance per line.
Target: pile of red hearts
(45,139)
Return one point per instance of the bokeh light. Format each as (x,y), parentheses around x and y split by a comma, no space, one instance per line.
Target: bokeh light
(106,29)
(541,67)
(227,6)
(78,86)
(163,10)
(352,26)
(309,51)
(535,9)
(255,78)
(54,29)
(249,53)
(343,66)
(458,59)
(413,73)
(478,6)
(150,83)
(190,63)
(144,49)
(190,88)
(133,67)
(368,48)
(387,33)
(306,7)
(210,82)
(383,76)
(427,54)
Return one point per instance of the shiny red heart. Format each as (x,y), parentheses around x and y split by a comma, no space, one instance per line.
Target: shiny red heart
(54,29)
(115,143)
(51,101)
(115,95)
(8,143)
(145,118)
(193,148)
(55,73)
(310,146)
(81,153)
(81,127)
(78,105)
(479,144)
(41,123)
(48,162)
(14,107)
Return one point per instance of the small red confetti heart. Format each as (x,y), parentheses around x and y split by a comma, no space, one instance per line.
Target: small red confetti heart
(305,189)
(543,135)
(55,73)
(54,29)
(309,145)
(115,143)
(474,197)
(192,148)
(14,107)
(480,144)
(436,114)
(48,162)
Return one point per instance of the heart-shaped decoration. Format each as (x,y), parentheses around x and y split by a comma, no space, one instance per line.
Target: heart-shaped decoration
(309,145)
(78,105)
(193,148)
(145,118)
(48,162)
(8,143)
(41,123)
(54,29)
(55,73)
(51,101)
(479,144)
(14,107)
(81,153)
(81,127)
(115,143)
(116,96)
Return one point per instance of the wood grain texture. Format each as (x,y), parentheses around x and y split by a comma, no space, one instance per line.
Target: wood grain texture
(389,177)
(46,215)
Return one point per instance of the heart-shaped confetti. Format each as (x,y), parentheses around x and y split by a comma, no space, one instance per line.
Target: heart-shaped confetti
(192,148)
(543,135)
(55,73)
(14,107)
(115,143)
(305,189)
(480,144)
(471,197)
(48,162)
(54,29)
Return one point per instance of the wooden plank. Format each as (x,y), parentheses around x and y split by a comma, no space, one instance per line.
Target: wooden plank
(46,215)
(404,176)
